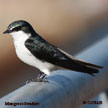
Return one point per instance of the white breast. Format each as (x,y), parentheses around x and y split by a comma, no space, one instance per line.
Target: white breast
(25,55)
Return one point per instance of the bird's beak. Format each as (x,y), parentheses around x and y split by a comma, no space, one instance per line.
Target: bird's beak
(5,32)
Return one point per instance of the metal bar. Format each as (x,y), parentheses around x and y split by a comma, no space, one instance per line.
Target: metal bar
(66,89)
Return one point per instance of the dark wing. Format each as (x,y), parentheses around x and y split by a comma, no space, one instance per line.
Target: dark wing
(47,52)
(82,62)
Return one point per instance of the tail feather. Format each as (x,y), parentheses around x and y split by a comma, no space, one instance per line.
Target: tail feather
(90,65)
(91,71)
(83,68)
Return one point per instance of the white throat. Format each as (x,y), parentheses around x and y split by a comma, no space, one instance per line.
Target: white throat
(19,36)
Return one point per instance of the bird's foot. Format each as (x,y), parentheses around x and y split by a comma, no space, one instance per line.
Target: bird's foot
(31,80)
(41,78)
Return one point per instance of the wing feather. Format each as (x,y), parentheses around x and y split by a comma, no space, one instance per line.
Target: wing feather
(82,62)
(47,52)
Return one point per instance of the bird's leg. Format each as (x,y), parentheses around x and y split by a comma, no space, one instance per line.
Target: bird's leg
(42,78)
(39,75)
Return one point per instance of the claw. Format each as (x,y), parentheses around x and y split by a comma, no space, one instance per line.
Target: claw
(41,78)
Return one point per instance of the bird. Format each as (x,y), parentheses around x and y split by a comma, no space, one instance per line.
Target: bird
(35,51)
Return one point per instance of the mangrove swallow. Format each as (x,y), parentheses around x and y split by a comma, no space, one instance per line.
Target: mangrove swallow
(33,50)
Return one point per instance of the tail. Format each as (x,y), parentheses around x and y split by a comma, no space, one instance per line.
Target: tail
(80,65)
(89,64)
(90,68)
(90,71)
(84,67)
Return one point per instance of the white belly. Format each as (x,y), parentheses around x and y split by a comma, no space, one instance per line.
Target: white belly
(25,55)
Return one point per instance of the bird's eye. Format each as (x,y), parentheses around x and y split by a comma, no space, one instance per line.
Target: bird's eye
(16,28)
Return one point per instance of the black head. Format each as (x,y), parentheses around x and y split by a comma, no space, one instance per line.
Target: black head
(19,25)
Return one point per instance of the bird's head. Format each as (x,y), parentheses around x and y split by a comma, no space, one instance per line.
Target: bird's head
(18,28)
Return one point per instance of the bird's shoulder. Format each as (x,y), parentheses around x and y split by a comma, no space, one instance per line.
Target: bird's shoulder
(44,50)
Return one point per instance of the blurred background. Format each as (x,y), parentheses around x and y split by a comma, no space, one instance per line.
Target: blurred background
(72,25)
